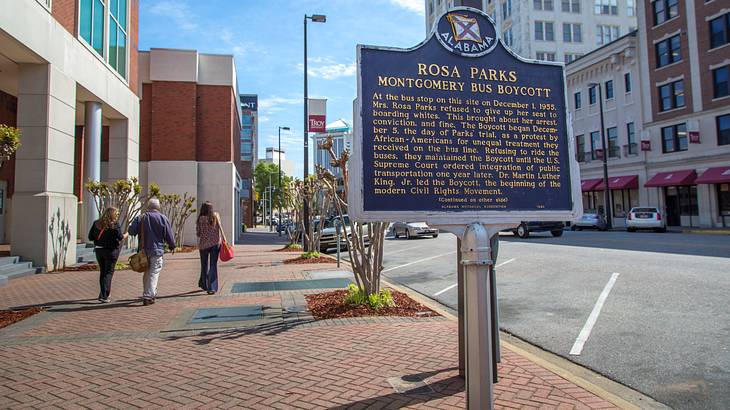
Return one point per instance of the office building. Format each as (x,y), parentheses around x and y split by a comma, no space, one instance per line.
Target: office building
(68,81)
(341,133)
(274,156)
(190,130)
(552,30)
(249,152)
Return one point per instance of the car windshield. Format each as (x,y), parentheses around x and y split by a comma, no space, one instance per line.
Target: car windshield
(654,210)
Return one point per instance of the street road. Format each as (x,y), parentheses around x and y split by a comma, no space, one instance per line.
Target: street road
(658,303)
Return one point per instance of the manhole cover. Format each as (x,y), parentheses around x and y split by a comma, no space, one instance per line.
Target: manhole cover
(227,314)
(284,285)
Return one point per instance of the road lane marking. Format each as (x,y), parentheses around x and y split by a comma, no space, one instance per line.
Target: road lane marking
(586,331)
(401,250)
(506,262)
(418,261)
(455,284)
(446,289)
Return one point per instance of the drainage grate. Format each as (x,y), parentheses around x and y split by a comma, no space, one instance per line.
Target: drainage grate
(290,285)
(227,314)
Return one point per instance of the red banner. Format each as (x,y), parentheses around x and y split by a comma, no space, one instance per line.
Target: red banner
(317,123)
(646,145)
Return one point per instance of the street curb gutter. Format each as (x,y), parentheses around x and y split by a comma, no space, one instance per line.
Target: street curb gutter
(616,393)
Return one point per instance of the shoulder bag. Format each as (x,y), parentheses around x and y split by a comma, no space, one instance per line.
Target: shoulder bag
(138,261)
(226,252)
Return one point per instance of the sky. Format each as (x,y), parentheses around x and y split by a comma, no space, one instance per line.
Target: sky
(267,40)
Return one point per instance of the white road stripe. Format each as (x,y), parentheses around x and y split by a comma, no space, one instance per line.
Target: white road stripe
(418,261)
(506,262)
(455,284)
(446,289)
(586,331)
(402,250)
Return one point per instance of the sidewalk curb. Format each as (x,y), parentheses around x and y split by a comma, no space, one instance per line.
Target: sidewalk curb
(609,390)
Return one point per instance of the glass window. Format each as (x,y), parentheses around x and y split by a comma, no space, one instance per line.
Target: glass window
(674,138)
(609,89)
(606,34)
(572,33)
(720,31)
(539,31)
(721,82)
(543,5)
(592,95)
(595,143)
(570,6)
(668,51)
(630,11)
(544,31)
(609,7)
(570,57)
(688,200)
(723,198)
(723,129)
(507,36)
(627,82)
(580,147)
(118,36)
(247,120)
(665,10)
(91,24)
(671,95)
(541,55)
(577,100)
(633,149)
(613,147)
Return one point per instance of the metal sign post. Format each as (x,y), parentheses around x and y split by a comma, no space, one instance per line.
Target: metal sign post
(337,223)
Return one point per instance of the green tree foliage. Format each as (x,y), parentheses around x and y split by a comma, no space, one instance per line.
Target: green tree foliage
(281,194)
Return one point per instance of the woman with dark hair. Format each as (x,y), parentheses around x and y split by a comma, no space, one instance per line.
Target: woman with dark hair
(107,236)
(208,231)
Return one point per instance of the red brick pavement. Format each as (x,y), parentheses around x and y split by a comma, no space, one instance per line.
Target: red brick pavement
(84,355)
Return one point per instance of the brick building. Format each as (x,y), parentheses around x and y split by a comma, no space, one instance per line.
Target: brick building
(190,127)
(68,79)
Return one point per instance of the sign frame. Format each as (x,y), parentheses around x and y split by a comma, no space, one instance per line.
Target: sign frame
(454,217)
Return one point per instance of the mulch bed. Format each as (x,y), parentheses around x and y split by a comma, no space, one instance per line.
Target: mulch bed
(80,268)
(331,305)
(300,260)
(8,317)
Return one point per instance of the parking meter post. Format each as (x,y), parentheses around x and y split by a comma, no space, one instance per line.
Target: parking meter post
(476,260)
(496,352)
(460,309)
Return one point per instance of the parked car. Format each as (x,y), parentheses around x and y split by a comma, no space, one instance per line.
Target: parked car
(645,217)
(523,230)
(410,230)
(329,234)
(590,220)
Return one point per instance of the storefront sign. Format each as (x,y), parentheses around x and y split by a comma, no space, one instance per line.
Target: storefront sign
(694,137)
(317,115)
(249,102)
(646,145)
(461,129)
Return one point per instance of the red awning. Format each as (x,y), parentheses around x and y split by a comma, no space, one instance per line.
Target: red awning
(622,182)
(683,177)
(718,175)
(589,184)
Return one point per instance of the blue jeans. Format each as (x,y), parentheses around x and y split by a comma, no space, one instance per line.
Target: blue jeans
(209,268)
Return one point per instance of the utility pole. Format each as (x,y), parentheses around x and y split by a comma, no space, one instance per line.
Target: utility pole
(607,190)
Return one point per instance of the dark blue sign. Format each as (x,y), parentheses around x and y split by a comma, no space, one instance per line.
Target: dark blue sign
(460,123)
(249,102)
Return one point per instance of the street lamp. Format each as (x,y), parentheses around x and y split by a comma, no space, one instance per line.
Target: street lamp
(607,194)
(279,189)
(316,18)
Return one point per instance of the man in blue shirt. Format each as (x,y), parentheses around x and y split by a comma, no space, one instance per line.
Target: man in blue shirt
(156,233)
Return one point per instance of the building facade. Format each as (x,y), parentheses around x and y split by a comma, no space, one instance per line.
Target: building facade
(190,130)
(249,152)
(341,133)
(68,81)
(667,115)
(276,156)
(685,71)
(552,30)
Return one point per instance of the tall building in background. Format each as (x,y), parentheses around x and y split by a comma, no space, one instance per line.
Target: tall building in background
(249,153)
(552,30)
(341,133)
(273,155)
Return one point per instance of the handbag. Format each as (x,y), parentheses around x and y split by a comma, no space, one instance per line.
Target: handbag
(138,262)
(226,252)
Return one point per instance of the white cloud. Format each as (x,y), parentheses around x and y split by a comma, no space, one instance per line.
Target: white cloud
(275,104)
(327,68)
(416,6)
(263,119)
(179,12)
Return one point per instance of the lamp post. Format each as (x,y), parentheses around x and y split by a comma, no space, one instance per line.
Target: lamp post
(278,229)
(271,214)
(607,193)
(316,18)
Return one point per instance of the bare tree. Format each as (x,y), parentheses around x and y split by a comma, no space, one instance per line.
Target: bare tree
(367,262)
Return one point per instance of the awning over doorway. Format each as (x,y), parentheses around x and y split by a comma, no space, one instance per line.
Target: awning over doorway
(589,184)
(622,182)
(717,175)
(682,177)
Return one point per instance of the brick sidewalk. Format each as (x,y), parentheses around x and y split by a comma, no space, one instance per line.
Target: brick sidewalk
(81,354)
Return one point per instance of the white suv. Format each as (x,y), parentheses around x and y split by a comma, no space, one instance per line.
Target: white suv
(645,218)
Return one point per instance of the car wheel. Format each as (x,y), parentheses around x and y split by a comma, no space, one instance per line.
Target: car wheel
(408,234)
(522,231)
(630,229)
(323,250)
(557,232)
(435,235)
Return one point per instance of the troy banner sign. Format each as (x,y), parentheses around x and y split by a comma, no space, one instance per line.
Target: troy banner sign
(316,115)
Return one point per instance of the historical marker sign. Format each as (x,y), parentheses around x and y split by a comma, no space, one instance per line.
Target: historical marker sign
(458,129)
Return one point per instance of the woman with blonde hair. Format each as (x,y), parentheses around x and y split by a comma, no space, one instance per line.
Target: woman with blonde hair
(208,230)
(107,236)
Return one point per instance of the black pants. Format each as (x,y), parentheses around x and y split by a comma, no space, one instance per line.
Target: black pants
(107,259)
